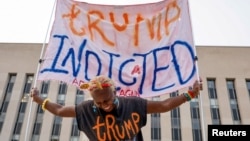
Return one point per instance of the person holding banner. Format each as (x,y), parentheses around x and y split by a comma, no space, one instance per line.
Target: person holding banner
(111,117)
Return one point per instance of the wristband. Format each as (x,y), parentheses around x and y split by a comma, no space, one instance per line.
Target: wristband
(191,94)
(187,96)
(44,103)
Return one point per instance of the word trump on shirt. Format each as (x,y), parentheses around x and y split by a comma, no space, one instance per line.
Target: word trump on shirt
(126,129)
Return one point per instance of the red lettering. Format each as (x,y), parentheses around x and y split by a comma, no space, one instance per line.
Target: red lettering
(93,24)
(75,82)
(116,26)
(136,70)
(72,17)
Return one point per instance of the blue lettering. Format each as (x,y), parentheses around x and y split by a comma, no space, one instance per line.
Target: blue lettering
(120,73)
(53,69)
(87,60)
(93,59)
(79,58)
(177,68)
(70,53)
(158,69)
(111,62)
(144,68)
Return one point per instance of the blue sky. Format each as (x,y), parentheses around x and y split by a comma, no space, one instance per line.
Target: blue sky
(214,22)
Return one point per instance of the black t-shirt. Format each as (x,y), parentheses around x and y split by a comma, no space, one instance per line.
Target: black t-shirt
(122,123)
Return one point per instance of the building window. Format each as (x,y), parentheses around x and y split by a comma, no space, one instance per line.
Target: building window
(79,92)
(214,107)
(40,110)
(56,129)
(37,124)
(57,126)
(79,96)
(156,124)
(12,79)
(231,93)
(39,114)
(233,101)
(62,88)
(175,121)
(195,114)
(4,107)
(17,129)
(62,91)
(37,128)
(196,125)
(155,127)
(6,98)
(215,115)
(176,134)
(22,108)
(75,132)
(197,135)
(248,87)
(45,87)
(28,84)
(211,89)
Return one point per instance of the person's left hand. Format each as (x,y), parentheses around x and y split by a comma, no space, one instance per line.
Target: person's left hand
(197,86)
(34,93)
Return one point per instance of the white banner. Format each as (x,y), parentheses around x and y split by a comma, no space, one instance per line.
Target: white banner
(146,49)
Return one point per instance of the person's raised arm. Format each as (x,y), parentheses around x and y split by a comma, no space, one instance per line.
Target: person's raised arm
(54,108)
(173,102)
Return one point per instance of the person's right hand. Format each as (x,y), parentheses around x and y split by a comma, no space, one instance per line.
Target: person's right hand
(34,94)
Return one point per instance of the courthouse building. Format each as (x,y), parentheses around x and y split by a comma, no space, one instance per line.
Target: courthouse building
(225,99)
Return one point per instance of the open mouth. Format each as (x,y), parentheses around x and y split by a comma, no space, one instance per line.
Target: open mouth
(107,108)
